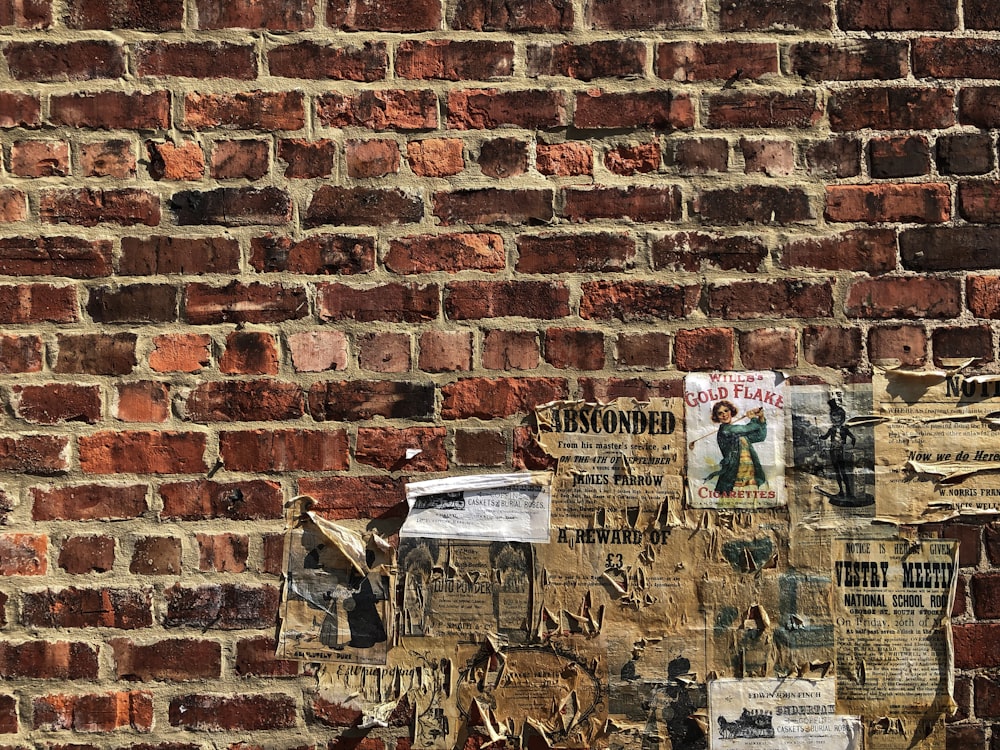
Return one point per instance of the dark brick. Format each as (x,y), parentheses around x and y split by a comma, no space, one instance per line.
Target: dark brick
(859,59)
(449,60)
(326,254)
(523,15)
(72,61)
(494,206)
(362,206)
(755,204)
(359,399)
(367,62)
(135,303)
(905,156)
(476,300)
(887,15)
(585,62)
(645,14)
(966,153)
(233,207)
(896,108)
(700,251)
(384,15)
(148,15)
(638,203)
(780,15)
(950,248)
(228,606)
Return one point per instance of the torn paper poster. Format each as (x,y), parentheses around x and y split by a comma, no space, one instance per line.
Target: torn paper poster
(467,589)
(736,439)
(938,448)
(624,454)
(892,603)
(779,714)
(337,594)
(486,507)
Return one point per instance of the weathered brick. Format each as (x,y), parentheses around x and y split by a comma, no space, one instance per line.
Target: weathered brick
(409,303)
(274,15)
(87,502)
(754,204)
(110,158)
(445,351)
(176,659)
(245,110)
(885,15)
(574,348)
(526,15)
(34,454)
(699,251)
(632,301)
(195,60)
(240,160)
(704,349)
(13,205)
(473,300)
(133,303)
(362,206)
(480,251)
(869,250)
(223,553)
(480,448)
(481,109)
(20,353)
(435,157)
(386,448)
(965,153)
(227,606)
(643,350)
(769,348)
(71,61)
(272,451)
(510,350)
(503,157)
(156,556)
(707,61)
(363,399)
(777,15)
(33,303)
(307,159)
(633,158)
(904,156)
(169,255)
(98,713)
(832,158)
(949,248)
(391,109)
(370,159)
(237,302)
(235,501)
(449,60)
(341,497)
(646,15)
(760,299)
(493,206)
(611,58)
(385,351)
(19,110)
(638,203)
(698,155)
(170,161)
(33,14)
(662,110)
(564,159)
(86,207)
(95,353)
(568,253)
(963,342)
(317,351)
(249,353)
(80,555)
(856,60)
(149,15)
(180,352)
(255,658)
(368,62)
(774,109)
(23,555)
(141,401)
(143,452)
(316,254)
(243,401)
(233,207)
(904,297)
(384,15)
(56,402)
(895,108)
(111,110)
(233,712)
(490,398)
(72,607)
(770,156)
(903,344)
(910,202)
(39,158)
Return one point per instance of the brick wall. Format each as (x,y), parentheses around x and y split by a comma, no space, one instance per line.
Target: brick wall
(256,248)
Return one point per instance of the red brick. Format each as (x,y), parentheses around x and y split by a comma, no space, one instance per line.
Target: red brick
(86,207)
(392,109)
(156,556)
(150,15)
(180,352)
(698,251)
(648,350)
(272,556)
(57,402)
(175,659)
(243,401)
(568,253)
(454,60)
(527,454)
(707,61)
(81,555)
(445,351)
(20,354)
(170,255)
(384,15)
(510,350)
(250,353)
(869,250)
(274,15)
(317,351)
(482,109)
(195,60)
(410,303)
(125,609)
(474,300)
(385,352)
(704,349)
(350,400)
(610,58)
(986,595)
(776,15)
(761,299)
(646,15)
(88,502)
(832,346)
(885,15)
(965,735)
(23,554)
(111,110)
(223,553)
(307,159)
(386,448)
(699,155)
(773,109)
(49,660)
(641,389)
(771,157)
(909,297)
(235,501)
(13,205)
(978,201)
(983,294)
(963,342)
(859,59)
(362,206)
(255,658)
(490,15)
(906,344)
(769,348)
(503,157)
(574,348)
(896,108)
(488,398)
(8,716)
(564,159)
(245,110)
(33,303)
(965,154)
(233,207)
(981,14)
(110,158)
(754,204)
(233,712)
(243,303)
(33,14)
(493,206)
(315,254)
(639,203)
(948,248)
(240,160)
(329,714)
(987,692)
(662,110)
(435,157)
(632,301)
(39,158)
(142,401)
(633,158)
(832,158)
(367,62)
(72,61)
(226,606)
(19,110)
(481,251)
(143,452)
(101,713)
(272,451)
(356,497)
(480,448)
(95,353)
(375,158)
(133,303)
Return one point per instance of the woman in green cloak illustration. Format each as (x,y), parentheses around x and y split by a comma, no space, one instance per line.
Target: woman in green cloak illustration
(740,465)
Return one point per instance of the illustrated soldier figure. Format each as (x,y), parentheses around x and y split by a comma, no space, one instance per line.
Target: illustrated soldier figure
(838,435)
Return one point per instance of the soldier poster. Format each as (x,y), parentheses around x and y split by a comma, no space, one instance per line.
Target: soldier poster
(892,603)
(736,440)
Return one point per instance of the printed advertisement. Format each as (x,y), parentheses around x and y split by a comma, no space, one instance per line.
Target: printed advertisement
(939,446)
(893,602)
(736,439)
(779,714)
